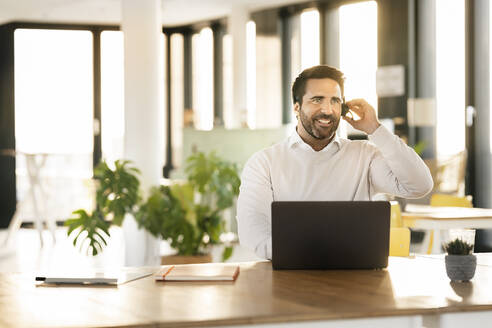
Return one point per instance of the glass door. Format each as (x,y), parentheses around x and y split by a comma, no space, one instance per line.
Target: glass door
(53,120)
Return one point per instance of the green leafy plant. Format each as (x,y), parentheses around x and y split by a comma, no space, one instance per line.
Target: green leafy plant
(117,193)
(458,247)
(91,228)
(189,215)
(419,147)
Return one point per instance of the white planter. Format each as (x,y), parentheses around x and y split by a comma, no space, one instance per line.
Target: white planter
(141,248)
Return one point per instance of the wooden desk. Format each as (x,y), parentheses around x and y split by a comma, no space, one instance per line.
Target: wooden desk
(409,292)
(437,218)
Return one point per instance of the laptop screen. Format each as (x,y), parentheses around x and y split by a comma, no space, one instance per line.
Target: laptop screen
(330,235)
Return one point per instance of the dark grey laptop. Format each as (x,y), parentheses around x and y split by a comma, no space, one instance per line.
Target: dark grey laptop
(330,235)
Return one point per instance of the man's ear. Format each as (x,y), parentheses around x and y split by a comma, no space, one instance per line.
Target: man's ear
(297,108)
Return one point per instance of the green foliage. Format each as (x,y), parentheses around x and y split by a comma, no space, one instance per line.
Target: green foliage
(419,147)
(188,215)
(227,253)
(91,228)
(213,178)
(163,216)
(458,247)
(117,194)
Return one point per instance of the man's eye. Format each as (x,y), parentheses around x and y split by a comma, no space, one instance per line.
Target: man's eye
(335,101)
(316,100)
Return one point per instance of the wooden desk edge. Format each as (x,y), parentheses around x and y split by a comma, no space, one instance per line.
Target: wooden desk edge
(314,313)
(427,216)
(319,317)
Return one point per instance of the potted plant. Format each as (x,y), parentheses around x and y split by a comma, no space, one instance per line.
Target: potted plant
(189,214)
(460,262)
(117,193)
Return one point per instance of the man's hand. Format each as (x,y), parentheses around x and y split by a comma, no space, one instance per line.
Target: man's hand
(368,121)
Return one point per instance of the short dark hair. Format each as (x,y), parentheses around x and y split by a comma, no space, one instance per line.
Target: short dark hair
(315,72)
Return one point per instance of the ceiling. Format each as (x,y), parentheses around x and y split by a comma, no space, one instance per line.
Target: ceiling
(174,12)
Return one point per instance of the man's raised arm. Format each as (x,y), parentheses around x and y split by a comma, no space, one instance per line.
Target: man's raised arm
(396,168)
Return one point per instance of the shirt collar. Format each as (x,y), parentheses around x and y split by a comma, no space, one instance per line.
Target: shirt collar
(295,139)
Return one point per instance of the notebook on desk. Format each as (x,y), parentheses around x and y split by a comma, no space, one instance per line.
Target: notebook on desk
(198,272)
(91,277)
(330,235)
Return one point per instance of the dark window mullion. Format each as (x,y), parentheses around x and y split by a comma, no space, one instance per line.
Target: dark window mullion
(286,58)
(96,41)
(218,33)
(8,197)
(169,153)
(188,71)
(469,96)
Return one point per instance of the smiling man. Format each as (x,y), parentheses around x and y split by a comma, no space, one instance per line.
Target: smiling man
(314,164)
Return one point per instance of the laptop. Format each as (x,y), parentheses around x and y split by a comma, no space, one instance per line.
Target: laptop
(330,235)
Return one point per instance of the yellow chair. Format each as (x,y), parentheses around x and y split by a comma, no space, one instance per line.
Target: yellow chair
(447,200)
(451,200)
(395,216)
(399,235)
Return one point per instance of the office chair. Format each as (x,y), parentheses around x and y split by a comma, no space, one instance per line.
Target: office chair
(399,235)
(447,200)
(451,200)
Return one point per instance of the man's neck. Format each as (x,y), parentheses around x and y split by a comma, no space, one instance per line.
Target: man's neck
(316,144)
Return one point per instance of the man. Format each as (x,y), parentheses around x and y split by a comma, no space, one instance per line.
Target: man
(315,164)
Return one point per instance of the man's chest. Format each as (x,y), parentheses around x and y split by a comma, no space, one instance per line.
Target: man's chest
(319,178)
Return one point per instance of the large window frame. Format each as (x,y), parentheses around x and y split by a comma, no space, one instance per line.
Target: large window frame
(96,31)
(7,141)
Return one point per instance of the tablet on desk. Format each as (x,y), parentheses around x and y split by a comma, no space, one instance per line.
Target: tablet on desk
(112,278)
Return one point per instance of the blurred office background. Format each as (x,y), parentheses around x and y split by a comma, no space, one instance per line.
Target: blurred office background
(227,69)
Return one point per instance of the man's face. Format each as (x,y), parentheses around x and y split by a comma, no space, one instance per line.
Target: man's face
(319,114)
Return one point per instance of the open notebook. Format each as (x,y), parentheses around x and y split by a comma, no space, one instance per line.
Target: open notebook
(198,272)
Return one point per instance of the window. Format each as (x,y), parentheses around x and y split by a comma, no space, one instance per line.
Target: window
(305,41)
(450,77)
(227,76)
(112,97)
(266,110)
(358,50)
(177,98)
(309,38)
(54,115)
(251,74)
(203,80)
(359,67)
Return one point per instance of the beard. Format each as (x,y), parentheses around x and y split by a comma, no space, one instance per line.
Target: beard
(318,132)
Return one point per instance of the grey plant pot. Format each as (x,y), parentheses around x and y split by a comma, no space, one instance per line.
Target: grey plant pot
(461,267)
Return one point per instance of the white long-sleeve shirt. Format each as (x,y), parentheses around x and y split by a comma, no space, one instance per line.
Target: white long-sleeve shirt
(344,170)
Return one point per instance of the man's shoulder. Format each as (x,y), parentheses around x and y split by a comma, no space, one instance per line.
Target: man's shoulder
(357,145)
(265,155)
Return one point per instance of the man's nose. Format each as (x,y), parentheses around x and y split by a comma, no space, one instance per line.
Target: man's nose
(327,108)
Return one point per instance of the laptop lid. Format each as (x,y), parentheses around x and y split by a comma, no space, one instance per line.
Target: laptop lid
(330,235)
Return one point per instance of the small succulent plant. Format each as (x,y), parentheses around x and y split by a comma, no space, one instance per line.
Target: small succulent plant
(458,247)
